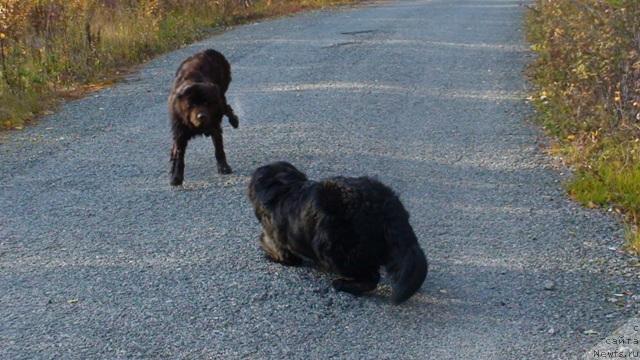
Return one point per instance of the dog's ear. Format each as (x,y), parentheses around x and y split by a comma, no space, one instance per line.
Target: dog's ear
(184,90)
(263,188)
(214,93)
(270,183)
(268,193)
(215,90)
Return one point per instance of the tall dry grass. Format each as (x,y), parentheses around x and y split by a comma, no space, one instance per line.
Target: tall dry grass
(49,48)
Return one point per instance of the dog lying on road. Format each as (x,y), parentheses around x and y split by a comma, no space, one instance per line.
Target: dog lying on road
(350,226)
(196,106)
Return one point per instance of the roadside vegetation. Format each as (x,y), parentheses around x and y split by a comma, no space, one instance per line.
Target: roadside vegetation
(587,95)
(52,49)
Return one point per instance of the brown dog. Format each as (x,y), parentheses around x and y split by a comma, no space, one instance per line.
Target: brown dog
(196,106)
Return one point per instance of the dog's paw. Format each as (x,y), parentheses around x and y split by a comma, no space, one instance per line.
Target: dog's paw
(347,286)
(340,284)
(353,287)
(176,181)
(224,169)
(290,260)
(234,121)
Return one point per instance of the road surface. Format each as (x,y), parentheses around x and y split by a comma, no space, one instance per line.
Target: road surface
(101,258)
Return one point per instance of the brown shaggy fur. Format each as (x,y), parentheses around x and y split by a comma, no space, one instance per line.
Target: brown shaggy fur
(196,106)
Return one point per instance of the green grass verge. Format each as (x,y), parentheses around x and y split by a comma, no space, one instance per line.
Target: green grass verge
(587,96)
(611,178)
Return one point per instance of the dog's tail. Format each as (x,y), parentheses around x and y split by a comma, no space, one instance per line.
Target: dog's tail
(407,264)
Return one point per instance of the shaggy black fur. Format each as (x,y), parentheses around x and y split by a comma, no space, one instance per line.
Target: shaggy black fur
(350,226)
(196,106)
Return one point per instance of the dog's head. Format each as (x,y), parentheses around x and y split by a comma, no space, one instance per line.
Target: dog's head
(200,104)
(270,182)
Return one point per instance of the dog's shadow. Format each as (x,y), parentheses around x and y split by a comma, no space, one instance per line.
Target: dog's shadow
(381,295)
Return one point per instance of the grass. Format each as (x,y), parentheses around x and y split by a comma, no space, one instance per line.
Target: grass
(587,95)
(51,49)
(611,178)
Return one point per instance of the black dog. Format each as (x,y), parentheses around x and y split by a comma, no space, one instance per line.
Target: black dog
(350,226)
(197,104)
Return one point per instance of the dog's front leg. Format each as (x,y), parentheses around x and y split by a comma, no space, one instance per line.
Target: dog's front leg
(221,157)
(276,253)
(228,111)
(177,161)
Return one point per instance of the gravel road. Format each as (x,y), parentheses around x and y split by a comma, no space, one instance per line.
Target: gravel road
(101,258)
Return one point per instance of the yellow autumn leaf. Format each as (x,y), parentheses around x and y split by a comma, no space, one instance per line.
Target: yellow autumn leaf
(591,205)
